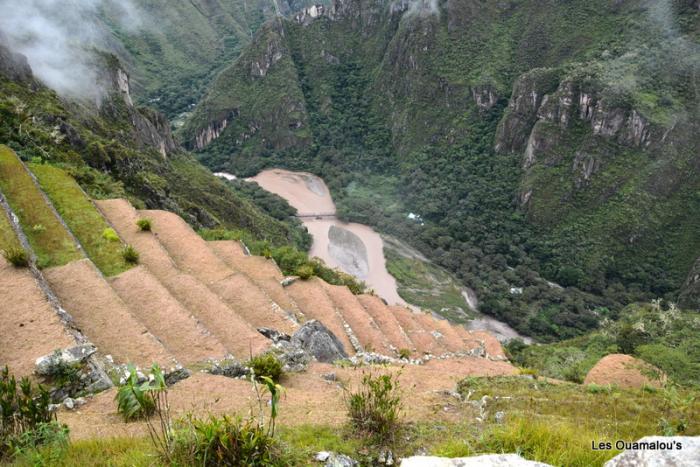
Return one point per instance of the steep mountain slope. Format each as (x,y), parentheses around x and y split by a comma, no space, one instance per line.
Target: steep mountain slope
(550,148)
(119,149)
(174,48)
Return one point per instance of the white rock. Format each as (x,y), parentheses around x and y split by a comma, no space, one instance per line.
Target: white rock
(488,460)
(323,456)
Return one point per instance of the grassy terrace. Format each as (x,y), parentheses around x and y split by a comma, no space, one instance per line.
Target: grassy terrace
(49,239)
(8,239)
(82,218)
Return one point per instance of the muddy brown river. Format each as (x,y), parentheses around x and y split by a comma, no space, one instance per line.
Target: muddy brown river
(353,248)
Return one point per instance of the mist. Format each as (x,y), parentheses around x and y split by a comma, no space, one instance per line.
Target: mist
(58,37)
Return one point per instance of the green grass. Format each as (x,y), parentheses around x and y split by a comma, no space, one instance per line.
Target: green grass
(8,239)
(51,242)
(82,218)
(428,286)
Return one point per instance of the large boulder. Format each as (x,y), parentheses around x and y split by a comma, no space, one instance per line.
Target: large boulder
(319,341)
(625,371)
(659,451)
(488,460)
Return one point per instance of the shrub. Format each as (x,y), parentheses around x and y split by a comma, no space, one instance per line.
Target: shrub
(375,408)
(130,254)
(404,354)
(110,235)
(226,441)
(266,365)
(16,256)
(144,225)
(25,418)
(305,272)
(133,399)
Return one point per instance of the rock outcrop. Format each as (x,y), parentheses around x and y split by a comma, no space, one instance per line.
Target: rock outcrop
(319,341)
(659,451)
(14,66)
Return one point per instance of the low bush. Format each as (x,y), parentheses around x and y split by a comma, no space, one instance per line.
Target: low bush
(144,225)
(304,272)
(404,354)
(25,419)
(231,441)
(266,365)
(130,254)
(110,235)
(375,408)
(16,256)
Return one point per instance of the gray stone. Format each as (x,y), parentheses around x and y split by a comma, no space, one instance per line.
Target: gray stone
(287,281)
(660,451)
(330,377)
(229,368)
(500,417)
(177,374)
(340,460)
(69,403)
(274,335)
(323,456)
(51,364)
(319,341)
(488,460)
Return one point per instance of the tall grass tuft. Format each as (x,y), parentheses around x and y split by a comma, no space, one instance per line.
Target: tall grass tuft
(16,256)
(375,408)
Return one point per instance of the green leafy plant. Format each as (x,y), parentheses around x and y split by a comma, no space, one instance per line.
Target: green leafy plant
(265,365)
(130,254)
(133,400)
(109,234)
(25,418)
(404,354)
(375,408)
(16,256)
(144,225)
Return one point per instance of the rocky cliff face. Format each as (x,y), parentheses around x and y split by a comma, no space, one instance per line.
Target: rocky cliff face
(150,127)
(690,293)
(13,66)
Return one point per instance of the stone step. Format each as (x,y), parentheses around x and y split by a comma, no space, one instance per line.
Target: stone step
(179,331)
(103,317)
(314,301)
(362,324)
(387,322)
(224,321)
(262,271)
(423,339)
(30,326)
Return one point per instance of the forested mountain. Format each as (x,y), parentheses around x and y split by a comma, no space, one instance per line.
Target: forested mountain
(175,48)
(550,148)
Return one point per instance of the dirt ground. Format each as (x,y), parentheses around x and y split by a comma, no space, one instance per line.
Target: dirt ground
(30,327)
(624,371)
(308,397)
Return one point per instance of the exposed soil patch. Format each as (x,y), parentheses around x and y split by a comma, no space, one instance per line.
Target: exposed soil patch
(30,326)
(625,371)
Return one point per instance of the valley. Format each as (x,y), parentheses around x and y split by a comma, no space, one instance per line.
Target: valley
(354,248)
(357,233)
